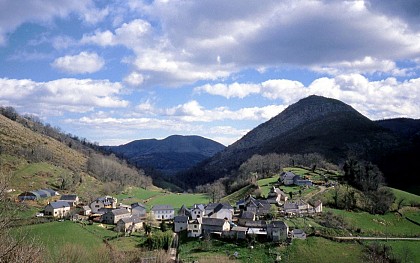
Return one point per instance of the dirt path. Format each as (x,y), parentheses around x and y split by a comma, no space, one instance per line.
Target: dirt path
(312,194)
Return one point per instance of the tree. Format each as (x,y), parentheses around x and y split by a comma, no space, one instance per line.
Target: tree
(381,200)
(14,248)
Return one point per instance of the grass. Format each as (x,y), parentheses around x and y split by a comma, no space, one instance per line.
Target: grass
(406,251)
(409,198)
(316,249)
(56,236)
(215,249)
(238,195)
(177,200)
(266,184)
(390,224)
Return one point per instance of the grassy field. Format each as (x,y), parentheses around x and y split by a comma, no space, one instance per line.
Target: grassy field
(390,224)
(266,184)
(408,198)
(238,195)
(57,236)
(406,251)
(316,249)
(154,196)
(216,249)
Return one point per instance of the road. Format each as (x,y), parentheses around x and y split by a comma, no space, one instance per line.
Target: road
(379,238)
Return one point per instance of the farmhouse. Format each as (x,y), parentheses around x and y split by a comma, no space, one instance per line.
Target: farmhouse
(289,178)
(276,196)
(37,194)
(277,231)
(73,200)
(214,225)
(163,212)
(221,211)
(103,202)
(180,223)
(129,224)
(113,216)
(197,211)
(300,207)
(246,216)
(138,209)
(194,227)
(57,209)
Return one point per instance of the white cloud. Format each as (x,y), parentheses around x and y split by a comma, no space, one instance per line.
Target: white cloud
(134,79)
(14,13)
(57,96)
(234,90)
(82,63)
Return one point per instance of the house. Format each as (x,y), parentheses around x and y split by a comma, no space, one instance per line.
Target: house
(103,202)
(245,216)
(286,178)
(126,207)
(237,232)
(276,196)
(317,205)
(138,209)
(289,178)
(86,210)
(258,207)
(221,211)
(197,211)
(277,231)
(194,227)
(180,223)
(57,209)
(214,225)
(129,224)
(112,217)
(297,180)
(184,211)
(37,194)
(73,200)
(298,233)
(298,207)
(163,212)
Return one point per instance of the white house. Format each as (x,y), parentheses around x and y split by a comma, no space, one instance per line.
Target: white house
(220,211)
(163,212)
(194,227)
(197,211)
(57,209)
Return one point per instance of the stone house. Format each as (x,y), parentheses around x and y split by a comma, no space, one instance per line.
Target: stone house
(73,200)
(113,216)
(194,227)
(138,209)
(180,223)
(214,225)
(57,209)
(221,211)
(107,202)
(129,224)
(277,231)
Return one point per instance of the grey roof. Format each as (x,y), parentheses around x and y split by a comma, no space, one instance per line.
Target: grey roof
(278,224)
(288,175)
(59,204)
(183,219)
(137,204)
(120,211)
(68,197)
(106,200)
(213,221)
(131,219)
(298,231)
(198,206)
(239,229)
(247,215)
(184,211)
(162,207)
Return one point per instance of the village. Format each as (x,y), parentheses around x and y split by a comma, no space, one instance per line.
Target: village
(250,217)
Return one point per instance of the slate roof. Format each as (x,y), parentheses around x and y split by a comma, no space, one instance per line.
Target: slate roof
(247,215)
(239,229)
(120,211)
(59,204)
(212,221)
(68,197)
(162,207)
(278,224)
(131,219)
(137,204)
(183,219)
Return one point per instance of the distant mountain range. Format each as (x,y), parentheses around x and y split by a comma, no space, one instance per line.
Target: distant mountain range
(171,155)
(320,125)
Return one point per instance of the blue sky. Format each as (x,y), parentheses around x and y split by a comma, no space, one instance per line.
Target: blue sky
(117,71)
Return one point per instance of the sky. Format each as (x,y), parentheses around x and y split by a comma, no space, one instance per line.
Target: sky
(122,70)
